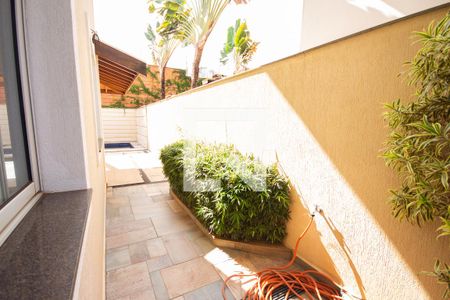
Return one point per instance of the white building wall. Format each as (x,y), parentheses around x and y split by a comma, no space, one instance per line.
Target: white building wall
(119,125)
(55,95)
(141,126)
(327,20)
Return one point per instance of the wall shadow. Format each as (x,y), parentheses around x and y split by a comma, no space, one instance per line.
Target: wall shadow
(337,92)
(334,94)
(312,237)
(345,249)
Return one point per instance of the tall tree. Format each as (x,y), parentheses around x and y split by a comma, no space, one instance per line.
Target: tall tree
(161,49)
(239,46)
(197,25)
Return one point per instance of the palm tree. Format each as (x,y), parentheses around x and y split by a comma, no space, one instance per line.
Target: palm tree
(162,49)
(197,25)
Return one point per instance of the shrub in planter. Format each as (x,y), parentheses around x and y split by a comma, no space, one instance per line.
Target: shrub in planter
(229,199)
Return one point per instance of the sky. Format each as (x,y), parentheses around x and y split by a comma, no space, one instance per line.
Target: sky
(277,28)
(284,29)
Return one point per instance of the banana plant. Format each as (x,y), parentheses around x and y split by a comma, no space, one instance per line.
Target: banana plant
(161,49)
(239,46)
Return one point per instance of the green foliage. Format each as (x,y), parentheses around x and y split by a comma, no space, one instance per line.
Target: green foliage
(118,103)
(231,209)
(173,13)
(203,15)
(239,45)
(145,95)
(142,94)
(191,23)
(442,273)
(418,146)
(161,46)
(182,82)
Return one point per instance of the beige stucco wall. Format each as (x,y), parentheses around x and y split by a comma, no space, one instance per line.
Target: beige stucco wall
(319,114)
(91,273)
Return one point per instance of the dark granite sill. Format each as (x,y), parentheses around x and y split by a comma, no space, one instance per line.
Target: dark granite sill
(39,260)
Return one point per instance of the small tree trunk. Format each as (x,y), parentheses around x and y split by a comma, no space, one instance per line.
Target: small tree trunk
(196,65)
(162,79)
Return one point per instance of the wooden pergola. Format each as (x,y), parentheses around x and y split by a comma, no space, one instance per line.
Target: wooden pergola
(117,70)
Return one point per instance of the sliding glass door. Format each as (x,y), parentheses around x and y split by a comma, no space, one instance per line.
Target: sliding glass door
(18,163)
(14,160)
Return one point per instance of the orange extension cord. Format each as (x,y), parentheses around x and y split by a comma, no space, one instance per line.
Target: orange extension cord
(268,280)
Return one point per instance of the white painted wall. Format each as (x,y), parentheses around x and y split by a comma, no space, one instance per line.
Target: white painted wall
(55,95)
(125,125)
(327,20)
(119,125)
(141,126)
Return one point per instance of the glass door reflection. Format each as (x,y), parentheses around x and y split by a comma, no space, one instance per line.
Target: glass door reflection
(14,160)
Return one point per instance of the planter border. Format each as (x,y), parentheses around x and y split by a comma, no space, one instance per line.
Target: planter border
(256,248)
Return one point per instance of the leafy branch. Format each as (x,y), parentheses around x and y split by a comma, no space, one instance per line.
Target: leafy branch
(418,146)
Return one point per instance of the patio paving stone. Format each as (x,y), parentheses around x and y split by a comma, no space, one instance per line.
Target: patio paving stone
(128,281)
(116,258)
(156,248)
(127,225)
(140,200)
(162,197)
(117,177)
(158,286)
(119,220)
(158,263)
(129,190)
(172,223)
(138,252)
(174,206)
(151,210)
(179,248)
(140,295)
(203,245)
(130,237)
(122,200)
(212,291)
(155,251)
(188,276)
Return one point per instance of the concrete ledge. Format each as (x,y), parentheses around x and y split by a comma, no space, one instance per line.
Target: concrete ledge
(256,248)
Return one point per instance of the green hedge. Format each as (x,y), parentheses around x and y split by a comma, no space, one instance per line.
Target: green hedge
(233,210)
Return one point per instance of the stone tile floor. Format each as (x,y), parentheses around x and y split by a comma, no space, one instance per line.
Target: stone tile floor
(132,167)
(155,251)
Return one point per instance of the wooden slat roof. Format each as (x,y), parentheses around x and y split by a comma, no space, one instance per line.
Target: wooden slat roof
(117,70)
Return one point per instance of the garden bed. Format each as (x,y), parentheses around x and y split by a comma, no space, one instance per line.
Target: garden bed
(234,198)
(256,248)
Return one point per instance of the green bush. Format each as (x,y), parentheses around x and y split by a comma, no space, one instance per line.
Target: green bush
(229,207)
(418,146)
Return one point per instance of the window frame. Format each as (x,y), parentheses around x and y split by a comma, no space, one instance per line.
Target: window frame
(17,206)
